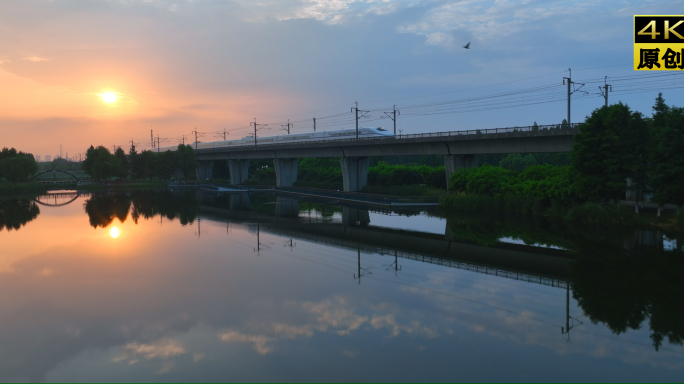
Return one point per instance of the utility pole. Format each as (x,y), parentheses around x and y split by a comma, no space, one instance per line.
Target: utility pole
(255,137)
(195,132)
(224,134)
(288,126)
(604,90)
(151,139)
(570,92)
(314,124)
(60,151)
(356,109)
(393,115)
(158,143)
(256,128)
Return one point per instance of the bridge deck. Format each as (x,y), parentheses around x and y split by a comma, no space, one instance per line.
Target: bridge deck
(497,140)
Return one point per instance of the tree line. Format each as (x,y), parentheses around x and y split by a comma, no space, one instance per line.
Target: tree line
(101,164)
(616,150)
(16,165)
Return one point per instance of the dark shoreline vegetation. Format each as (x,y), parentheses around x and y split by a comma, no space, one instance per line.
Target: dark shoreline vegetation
(617,152)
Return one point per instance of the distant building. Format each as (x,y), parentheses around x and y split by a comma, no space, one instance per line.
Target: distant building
(48,158)
(37,158)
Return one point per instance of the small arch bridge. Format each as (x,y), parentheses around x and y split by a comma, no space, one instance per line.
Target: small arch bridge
(55,171)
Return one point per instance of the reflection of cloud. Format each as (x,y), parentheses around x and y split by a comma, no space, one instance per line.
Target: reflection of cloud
(163,349)
(120,358)
(350,354)
(258,340)
(291,332)
(196,357)
(331,313)
(414,327)
(166,368)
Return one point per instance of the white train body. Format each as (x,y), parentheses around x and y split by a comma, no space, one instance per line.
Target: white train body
(365,132)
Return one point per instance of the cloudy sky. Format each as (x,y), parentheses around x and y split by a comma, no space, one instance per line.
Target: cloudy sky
(212,65)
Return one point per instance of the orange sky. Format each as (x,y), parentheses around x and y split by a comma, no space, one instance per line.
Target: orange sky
(212,65)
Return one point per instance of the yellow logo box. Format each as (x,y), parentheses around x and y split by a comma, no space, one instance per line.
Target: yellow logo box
(659,42)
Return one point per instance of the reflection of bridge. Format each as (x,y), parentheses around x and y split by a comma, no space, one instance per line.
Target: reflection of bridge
(58,198)
(520,262)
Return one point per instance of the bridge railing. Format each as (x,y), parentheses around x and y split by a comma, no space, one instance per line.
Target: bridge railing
(541,130)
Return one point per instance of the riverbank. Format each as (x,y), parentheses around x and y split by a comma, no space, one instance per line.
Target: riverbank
(32,189)
(587,213)
(20,190)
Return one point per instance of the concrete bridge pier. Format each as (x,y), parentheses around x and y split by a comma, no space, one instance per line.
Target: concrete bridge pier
(240,201)
(286,207)
(354,217)
(239,170)
(205,169)
(453,162)
(286,171)
(354,173)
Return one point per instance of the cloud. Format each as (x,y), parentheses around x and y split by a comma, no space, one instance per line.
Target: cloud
(162,349)
(440,39)
(493,20)
(35,59)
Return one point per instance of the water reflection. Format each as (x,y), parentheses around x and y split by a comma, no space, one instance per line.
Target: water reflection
(283,290)
(14,214)
(103,208)
(624,290)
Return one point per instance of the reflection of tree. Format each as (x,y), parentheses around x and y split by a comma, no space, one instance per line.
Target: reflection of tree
(183,206)
(615,280)
(486,229)
(16,213)
(623,290)
(103,208)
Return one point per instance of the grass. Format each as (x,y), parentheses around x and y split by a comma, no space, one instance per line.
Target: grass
(22,189)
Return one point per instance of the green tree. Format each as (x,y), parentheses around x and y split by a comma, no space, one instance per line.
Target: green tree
(164,164)
(18,168)
(133,162)
(186,160)
(485,180)
(123,163)
(100,163)
(607,151)
(668,153)
(146,164)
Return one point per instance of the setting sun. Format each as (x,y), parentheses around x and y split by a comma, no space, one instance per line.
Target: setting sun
(109,97)
(114,232)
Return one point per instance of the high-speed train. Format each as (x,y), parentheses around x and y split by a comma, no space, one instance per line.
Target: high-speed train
(365,132)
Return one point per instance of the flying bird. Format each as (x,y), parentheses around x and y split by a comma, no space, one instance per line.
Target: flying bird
(467,46)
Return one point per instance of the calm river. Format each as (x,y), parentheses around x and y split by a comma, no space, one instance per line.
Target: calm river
(184,286)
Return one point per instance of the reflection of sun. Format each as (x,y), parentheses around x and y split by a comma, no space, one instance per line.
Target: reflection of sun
(114,232)
(109,97)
